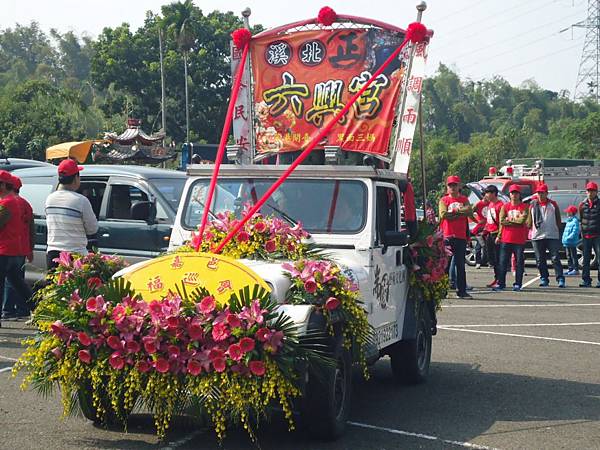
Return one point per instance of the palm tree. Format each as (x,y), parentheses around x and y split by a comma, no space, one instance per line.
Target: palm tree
(178,23)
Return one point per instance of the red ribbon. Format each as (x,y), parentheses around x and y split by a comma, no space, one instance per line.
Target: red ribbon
(224,135)
(311,145)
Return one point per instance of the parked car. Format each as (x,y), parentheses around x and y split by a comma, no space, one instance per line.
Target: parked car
(135,207)
(10,164)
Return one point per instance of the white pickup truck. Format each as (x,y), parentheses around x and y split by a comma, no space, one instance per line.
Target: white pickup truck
(353,213)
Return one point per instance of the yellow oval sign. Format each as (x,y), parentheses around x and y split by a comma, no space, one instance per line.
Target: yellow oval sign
(221,276)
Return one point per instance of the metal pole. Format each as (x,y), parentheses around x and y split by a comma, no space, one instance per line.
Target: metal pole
(250,93)
(162,84)
(187,104)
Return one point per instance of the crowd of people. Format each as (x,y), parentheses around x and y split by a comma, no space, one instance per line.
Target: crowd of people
(70,220)
(505,228)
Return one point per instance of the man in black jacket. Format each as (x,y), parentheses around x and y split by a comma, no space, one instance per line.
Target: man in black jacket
(589,211)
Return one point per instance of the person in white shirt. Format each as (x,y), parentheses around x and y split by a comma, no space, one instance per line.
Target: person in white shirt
(69,215)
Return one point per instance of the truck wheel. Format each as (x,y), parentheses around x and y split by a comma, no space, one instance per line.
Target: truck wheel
(411,358)
(328,395)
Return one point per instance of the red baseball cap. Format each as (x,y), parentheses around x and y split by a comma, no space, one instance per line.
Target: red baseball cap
(515,188)
(591,186)
(453,179)
(16,182)
(5,177)
(571,209)
(68,167)
(542,188)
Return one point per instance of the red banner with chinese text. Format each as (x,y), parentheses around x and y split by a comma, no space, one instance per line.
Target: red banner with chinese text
(302,79)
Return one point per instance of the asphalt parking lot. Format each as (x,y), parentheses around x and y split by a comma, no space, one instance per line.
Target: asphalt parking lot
(509,371)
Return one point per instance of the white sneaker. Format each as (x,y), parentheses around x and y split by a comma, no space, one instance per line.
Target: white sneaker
(478,266)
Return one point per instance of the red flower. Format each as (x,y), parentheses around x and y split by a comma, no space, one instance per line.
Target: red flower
(114,342)
(173,322)
(271,245)
(59,330)
(173,351)
(132,347)
(243,236)
(84,339)
(196,332)
(263,334)
(143,366)
(85,356)
(326,16)
(215,353)
(233,321)
(332,303)
(207,305)
(247,344)
(118,312)
(161,365)
(235,352)
(94,283)
(220,332)
(150,346)
(257,368)
(310,286)
(260,227)
(241,37)
(219,364)
(194,367)
(116,361)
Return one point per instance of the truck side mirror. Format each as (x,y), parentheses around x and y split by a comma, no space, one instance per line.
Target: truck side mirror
(144,210)
(395,238)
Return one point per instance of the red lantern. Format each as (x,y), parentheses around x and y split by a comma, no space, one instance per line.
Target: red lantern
(509,171)
(492,171)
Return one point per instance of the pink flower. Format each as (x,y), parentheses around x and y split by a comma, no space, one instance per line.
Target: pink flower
(247,344)
(215,353)
(132,347)
(257,368)
(150,345)
(332,303)
(84,356)
(173,351)
(235,352)
(59,330)
(118,312)
(114,342)
(161,365)
(116,361)
(233,321)
(219,364)
(243,236)
(220,332)
(207,305)
(252,314)
(57,352)
(143,366)
(84,339)
(64,259)
(173,322)
(194,367)
(260,227)
(274,341)
(94,283)
(310,286)
(271,245)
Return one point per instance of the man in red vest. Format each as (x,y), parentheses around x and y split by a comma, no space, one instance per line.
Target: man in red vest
(11,236)
(454,213)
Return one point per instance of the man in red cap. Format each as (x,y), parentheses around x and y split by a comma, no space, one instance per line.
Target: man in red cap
(14,304)
(512,235)
(69,215)
(545,221)
(454,213)
(589,212)
(11,236)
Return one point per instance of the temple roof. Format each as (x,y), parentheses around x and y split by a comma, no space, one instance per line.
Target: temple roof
(134,134)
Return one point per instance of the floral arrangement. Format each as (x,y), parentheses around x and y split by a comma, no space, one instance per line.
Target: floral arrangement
(323,284)
(94,267)
(429,258)
(262,237)
(108,350)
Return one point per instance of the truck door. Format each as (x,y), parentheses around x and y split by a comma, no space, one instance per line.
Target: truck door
(388,273)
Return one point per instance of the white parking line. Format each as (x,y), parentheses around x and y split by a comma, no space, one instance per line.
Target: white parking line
(521,305)
(6,369)
(530,282)
(518,335)
(182,441)
(8,359)
(421,436)
(572,324)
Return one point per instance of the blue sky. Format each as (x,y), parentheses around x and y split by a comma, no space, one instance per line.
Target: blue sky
(516,39)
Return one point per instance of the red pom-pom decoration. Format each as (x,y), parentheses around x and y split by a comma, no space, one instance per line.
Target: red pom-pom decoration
(326,16)
(416,32)
(241,37)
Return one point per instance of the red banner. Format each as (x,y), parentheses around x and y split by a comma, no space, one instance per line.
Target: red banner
(303,78)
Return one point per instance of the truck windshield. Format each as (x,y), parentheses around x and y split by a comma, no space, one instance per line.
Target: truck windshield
(322,206)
